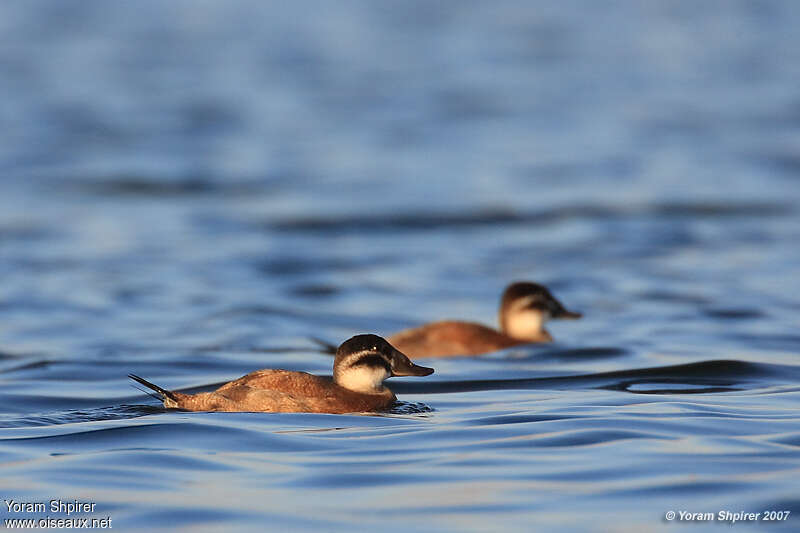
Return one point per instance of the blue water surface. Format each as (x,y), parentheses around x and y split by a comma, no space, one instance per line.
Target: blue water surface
(192,190)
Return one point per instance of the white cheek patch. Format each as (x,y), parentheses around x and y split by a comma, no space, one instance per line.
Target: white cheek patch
(526,324)
(363,378)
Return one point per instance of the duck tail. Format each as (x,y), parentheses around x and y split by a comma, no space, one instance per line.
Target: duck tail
(163,392)
(325,347)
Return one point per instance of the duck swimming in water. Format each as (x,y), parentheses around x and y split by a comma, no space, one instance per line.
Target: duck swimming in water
(362,364)
(524,309)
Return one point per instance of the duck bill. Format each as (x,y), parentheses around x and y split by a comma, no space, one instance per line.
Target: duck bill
(404,367)
(563,314)
(414,370)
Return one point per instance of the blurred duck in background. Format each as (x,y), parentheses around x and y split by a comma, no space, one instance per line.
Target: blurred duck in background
(524,309)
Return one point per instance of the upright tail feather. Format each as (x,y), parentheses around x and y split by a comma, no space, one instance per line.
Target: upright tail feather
(165,393)
(325,346)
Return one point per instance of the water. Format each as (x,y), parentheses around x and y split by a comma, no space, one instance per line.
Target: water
(191,190)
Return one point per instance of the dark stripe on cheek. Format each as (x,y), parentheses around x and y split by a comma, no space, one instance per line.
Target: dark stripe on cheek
(375,361)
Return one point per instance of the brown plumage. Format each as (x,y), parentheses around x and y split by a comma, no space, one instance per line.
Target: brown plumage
(524,308)
(361,365)
(452,338)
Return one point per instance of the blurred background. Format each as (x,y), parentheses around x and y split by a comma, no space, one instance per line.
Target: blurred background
(191,189)
(350,156)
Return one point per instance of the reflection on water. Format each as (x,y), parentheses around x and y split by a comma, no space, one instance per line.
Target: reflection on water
(194,191)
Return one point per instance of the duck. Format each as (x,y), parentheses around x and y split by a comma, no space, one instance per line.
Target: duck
(525,307)
(361,365)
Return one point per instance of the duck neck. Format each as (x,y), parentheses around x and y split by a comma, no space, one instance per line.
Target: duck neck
(366,380)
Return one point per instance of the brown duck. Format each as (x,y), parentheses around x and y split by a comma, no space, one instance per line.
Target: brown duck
(362,364)
(524,309)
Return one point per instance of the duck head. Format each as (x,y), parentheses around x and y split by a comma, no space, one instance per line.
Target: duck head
(363,362)
(524,309)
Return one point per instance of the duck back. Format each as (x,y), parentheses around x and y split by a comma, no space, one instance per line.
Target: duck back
(450,338)
(281,391)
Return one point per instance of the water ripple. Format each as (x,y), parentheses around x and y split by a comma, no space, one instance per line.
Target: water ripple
(420,221)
